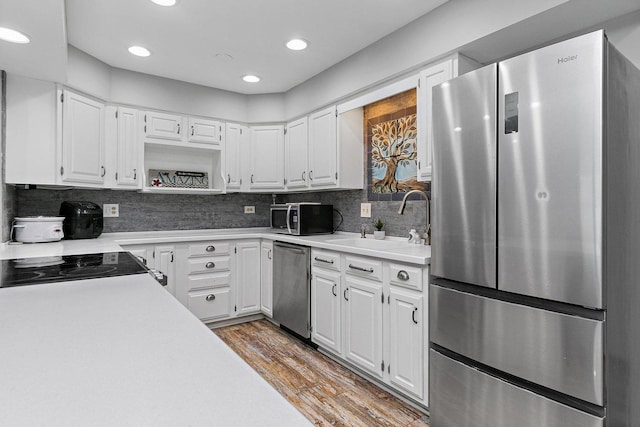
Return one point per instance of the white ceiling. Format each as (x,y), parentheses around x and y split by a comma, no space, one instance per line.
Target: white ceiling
(184,39)
(44,22)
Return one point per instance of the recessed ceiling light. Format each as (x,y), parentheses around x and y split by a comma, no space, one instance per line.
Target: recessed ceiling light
(139,51)
(13,36)
(249,78)
(164,2)
(297,44)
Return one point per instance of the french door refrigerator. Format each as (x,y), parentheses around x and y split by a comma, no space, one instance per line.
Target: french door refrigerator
(535,297)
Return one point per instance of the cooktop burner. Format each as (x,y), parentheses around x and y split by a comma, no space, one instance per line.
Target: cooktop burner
(33,271)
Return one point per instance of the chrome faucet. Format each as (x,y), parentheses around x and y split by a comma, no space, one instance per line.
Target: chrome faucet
(427,232)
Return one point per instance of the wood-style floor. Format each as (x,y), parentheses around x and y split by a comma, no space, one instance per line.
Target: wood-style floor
(327,393)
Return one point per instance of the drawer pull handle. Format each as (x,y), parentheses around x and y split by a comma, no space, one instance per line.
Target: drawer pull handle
(413,315)
(210,297)
(328,261)
(403,275)
(210,264)
(344,294)
(333,289)
(211,248)
(366,270)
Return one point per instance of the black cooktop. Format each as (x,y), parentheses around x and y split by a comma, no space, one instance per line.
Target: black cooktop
(34,271)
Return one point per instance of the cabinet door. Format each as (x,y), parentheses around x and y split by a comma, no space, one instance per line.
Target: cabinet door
(406,341)
(296,147)
(363,324)
(323,148)
(204,131)
(266,278)
(162,125)
(235,136)
(128,147)
(267,157)
(429,78)
(248,278)
(82,139)
(325,309)
(164,262)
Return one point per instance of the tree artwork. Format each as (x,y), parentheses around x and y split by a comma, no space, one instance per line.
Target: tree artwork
(393,155)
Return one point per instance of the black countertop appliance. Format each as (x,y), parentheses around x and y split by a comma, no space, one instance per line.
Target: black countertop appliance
(82,220)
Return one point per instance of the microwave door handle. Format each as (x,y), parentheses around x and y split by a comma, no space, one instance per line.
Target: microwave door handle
(288,216)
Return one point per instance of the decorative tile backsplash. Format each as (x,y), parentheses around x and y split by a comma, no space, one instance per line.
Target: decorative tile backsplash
(144,212)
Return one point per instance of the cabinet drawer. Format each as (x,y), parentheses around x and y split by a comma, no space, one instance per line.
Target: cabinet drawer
(212,280)
(209,264)
(209,304)
(323,259)
(363,267)
(405,275)
(209,248)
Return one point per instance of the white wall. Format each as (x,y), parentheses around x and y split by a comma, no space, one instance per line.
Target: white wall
(88,74)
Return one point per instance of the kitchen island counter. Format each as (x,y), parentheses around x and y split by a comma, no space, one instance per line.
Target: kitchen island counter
(122,351)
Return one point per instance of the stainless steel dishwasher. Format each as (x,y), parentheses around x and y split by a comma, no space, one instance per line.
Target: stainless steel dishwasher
(292,287)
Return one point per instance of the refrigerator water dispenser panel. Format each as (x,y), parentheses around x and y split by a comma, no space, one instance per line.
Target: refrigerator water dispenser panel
(511,113)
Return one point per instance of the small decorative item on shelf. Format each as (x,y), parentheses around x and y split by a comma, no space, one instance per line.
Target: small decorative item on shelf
(379,233)
(178,179)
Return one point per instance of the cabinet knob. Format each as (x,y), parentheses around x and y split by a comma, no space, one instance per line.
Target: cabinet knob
(191,130)
(333,289)
(211,248)
(403,275)
(210,264)
(104,171)
(178,128)
(228,178)
(344,294)
(413,315)
(311,175)
(252,178)
(135,174)
(269,254)
(357,267)
(210,297)
(304,175)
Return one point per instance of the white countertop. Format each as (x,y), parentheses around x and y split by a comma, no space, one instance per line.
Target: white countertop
(122,352)
(397,250)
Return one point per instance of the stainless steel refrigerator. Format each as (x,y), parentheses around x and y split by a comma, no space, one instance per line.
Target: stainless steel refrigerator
(535,297)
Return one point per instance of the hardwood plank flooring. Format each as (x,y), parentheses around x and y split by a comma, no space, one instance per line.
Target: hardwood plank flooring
(327,393)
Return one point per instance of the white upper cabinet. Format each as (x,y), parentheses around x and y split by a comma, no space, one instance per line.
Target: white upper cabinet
(123,147)
(83,148)
(163,125)
(267,158)
(128,147)
(430,77)
(31,142)
(236,141)
(296,144)
(205,131)
(323,148)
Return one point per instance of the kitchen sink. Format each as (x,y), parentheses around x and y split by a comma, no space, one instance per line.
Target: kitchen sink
(370,243)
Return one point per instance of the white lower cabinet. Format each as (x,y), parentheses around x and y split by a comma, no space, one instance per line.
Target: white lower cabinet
(248,277)
(160,257)
(266,278)
(363,325)
(326,297)
(370,313)
(406,341)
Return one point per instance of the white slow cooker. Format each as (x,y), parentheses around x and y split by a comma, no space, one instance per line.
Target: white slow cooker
(36,229)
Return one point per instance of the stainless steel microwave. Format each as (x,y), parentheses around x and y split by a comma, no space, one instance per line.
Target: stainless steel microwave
(300,219)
